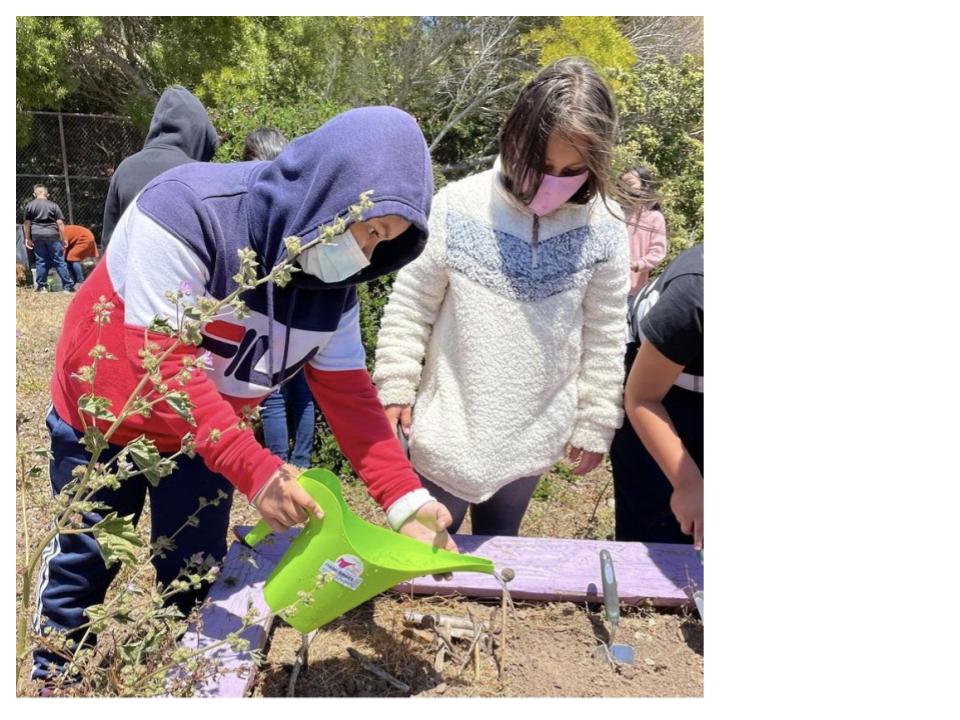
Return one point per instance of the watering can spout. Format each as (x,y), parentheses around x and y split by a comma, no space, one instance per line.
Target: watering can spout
(339,561)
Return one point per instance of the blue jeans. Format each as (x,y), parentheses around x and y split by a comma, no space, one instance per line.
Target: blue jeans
(49,254)
(73,575)
(497,515)
(76,270)
(293,396)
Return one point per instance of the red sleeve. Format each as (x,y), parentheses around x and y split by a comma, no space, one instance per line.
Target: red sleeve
(350,405)
(236,454)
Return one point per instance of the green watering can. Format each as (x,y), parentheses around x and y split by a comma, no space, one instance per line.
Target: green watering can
(341,561)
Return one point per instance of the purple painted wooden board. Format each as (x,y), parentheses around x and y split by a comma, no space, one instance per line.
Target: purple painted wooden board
(563,569)
(238,588)
(559,569)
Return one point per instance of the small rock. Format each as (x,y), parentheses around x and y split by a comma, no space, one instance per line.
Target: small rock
(441,688)
(649,661)
(611,503)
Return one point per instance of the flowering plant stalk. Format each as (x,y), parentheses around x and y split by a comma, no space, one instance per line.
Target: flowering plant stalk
(158,627)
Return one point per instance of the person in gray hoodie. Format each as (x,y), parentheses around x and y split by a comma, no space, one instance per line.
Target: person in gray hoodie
(180,133)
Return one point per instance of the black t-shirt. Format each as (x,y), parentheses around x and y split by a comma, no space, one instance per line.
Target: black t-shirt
(43,215)
(668,312)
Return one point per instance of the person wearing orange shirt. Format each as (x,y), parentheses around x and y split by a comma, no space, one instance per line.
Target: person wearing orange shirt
(80,246)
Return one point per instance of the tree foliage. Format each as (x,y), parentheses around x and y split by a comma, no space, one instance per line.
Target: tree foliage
(598,39)
(661,122)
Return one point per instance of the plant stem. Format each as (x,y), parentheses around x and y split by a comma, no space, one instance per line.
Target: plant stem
(596,506)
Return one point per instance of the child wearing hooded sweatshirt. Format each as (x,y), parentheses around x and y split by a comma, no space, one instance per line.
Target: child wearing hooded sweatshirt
(184,232)
(502,344)
(180,132)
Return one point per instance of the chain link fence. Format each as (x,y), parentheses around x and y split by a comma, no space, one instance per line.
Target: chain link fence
(74,155)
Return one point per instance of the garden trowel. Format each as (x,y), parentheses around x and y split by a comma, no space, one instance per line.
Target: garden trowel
(615,653)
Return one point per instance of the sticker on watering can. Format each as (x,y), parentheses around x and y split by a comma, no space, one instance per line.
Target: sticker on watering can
(346,570)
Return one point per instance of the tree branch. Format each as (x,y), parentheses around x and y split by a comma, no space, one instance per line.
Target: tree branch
(469,108)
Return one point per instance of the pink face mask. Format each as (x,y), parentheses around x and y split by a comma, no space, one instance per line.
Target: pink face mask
(554,191)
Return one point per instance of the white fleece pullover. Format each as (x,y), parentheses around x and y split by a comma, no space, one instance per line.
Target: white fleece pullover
(516,323)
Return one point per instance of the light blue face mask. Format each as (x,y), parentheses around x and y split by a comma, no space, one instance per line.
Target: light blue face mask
(336,261)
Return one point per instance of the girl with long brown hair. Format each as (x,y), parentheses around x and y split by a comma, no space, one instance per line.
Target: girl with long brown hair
(502,344)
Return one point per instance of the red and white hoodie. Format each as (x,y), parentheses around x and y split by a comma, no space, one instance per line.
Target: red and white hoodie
(183,232)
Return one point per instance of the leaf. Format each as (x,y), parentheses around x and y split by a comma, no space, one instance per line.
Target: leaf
(84,374)
(168,612)
(162,325)
(96,406)
(188,444)
(147,458)
(190,333)
(130,652)
(98,615)
(180,403)
(117,539)
(144,452)
(93,440)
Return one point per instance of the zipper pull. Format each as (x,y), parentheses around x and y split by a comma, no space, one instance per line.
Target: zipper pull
(535,245)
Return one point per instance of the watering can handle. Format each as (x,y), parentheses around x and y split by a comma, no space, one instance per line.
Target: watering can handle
(262,529)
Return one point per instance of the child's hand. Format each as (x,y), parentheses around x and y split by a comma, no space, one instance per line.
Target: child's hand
(583,461)
(283,502)
(429,525)
(687,505)
(399,414)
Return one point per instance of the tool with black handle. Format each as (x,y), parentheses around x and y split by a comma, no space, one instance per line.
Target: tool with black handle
(617,653)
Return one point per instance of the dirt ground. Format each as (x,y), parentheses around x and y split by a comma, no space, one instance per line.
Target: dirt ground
(549,654)
(549,646)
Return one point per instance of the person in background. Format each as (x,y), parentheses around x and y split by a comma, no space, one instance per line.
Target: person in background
(516,306)
(263,144)
(293,398)
(657,456)
(80,246)
(180,132)
(647,226)
(43,232)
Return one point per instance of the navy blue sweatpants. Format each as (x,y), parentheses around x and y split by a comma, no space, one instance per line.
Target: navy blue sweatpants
(73,575)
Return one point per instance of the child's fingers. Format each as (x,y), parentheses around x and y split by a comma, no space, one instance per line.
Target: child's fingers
(698,535)
(274,524)
(405,419)
(443,519)
(306,501)
(588,463)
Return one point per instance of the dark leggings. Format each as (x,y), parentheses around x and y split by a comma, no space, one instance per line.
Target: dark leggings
(498,515)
